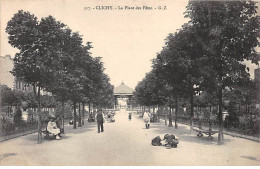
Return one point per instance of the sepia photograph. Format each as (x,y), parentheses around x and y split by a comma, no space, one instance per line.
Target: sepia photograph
(130,83)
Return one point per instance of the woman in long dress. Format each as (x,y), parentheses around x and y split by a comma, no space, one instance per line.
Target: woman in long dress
(146,118)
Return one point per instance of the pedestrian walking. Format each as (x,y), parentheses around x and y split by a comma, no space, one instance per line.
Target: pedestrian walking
(146,118)
(100,120)
(130,116)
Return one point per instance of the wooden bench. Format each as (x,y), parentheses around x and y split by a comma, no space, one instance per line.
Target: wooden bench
(91,119)
(208,132)
(48,135)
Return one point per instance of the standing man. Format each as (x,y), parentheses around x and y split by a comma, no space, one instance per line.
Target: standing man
(100,120)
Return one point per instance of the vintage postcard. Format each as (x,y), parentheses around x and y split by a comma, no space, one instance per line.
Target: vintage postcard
(129,83)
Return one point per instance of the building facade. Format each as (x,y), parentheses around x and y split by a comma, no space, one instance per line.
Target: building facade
(6,78)
(6,65)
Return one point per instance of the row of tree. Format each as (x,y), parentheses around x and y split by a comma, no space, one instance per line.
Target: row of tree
(53,58)
(205,55)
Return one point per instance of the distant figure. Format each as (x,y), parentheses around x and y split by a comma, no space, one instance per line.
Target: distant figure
(71,122)
(112,119)
(109,117)
(130,116)
(91,118)
(146,118)
(171,140)
(53,129)
(100,120)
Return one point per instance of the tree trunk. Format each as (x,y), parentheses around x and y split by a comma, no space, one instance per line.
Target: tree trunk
(153,114)
(32,113)
(75,116)
(220,120)
(176,113)
(39,116)
(83,113)
(63,116)
(191,112)
(79,123)
(8,110)
(170,118)
(88,107)
(165,115)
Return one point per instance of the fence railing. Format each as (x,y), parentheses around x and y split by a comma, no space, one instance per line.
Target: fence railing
(241,131)
(27,128)
(22,130)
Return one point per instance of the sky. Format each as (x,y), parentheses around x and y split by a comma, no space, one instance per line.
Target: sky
(127,40)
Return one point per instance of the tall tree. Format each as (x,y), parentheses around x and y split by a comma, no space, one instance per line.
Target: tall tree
(228,31)
(37,46)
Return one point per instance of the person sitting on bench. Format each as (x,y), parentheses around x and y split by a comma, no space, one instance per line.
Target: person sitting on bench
(53,129)
(112,118)
(171,140)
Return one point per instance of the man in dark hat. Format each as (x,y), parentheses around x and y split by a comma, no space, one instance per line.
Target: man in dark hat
(100,120)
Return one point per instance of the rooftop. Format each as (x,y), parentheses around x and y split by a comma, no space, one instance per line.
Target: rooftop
(123,89)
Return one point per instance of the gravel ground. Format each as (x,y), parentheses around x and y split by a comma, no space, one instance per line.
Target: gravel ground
(127,143)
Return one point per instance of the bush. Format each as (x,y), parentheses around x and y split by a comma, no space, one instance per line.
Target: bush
(256,126)
(6,124)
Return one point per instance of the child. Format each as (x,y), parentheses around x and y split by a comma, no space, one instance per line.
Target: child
(129,116)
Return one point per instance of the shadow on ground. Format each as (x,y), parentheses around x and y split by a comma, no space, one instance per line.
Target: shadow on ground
(86,128)
(183,132)
(3,156)
(34,138)
(250,158)
(68,130)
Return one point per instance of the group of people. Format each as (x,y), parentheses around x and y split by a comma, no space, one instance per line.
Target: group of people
(111,117)
(170,141)
(54,124)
